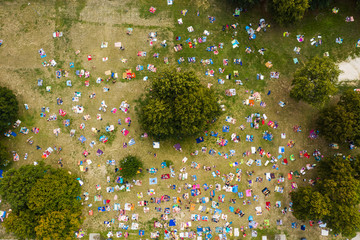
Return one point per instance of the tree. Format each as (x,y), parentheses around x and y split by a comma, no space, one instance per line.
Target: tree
(316,4)
(355,164)
(336,167)
(337,181)
(17,183)
(309,204)
(314,82)
(350,100)
(288,11)
(245,3)
(344,219)
(335,198)
(342,191)
(342,121)
(22,224)
(9,108)
(58,225)
(337,125)
(130,165)
(43,200)
(5,156)
(177,105)
(54,192)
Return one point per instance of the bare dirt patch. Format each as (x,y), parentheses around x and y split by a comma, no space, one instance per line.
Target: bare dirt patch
(350,70)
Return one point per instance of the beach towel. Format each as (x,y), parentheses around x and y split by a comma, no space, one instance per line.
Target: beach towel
(82,139)
(248,192)
(131,142)
(125,132)
(152,181)
(200,140)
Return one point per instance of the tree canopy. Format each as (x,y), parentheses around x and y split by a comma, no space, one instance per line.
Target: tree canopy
(130,166)
(335,197)
(9,108)
(341,122)
(22,224)
(288,11)
(245,3)
(315,4)
(314,82)
(5,156)
(43,201)
(309,204)
(57,225)
(17,183)
(177,105)
(61,197)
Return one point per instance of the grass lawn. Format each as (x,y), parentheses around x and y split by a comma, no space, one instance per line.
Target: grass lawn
(86,23)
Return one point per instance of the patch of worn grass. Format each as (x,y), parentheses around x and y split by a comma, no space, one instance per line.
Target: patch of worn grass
(268,231)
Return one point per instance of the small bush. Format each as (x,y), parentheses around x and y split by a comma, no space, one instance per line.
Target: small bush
(168,163)
(130,166)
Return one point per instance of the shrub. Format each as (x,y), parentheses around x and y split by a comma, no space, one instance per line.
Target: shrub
(130,166)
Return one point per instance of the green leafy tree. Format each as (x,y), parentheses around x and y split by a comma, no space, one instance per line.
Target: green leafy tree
(316,4)
(337,181)
(245,3)
(9,108)
(288,11)
(337,125)
(5,156)
(342,121)
(58,225)
(355,164)
(350,100)
(157,117)
(22,224)
(130,166)
(43,200)
(17,183)
(177,105)
(54,192)
(342,191)
(314,82)
(336,167)
(344,219)
(335,198)
(309,204)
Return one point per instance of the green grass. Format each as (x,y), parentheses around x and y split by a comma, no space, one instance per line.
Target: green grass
(23,6)
(29,119)
(81,4)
